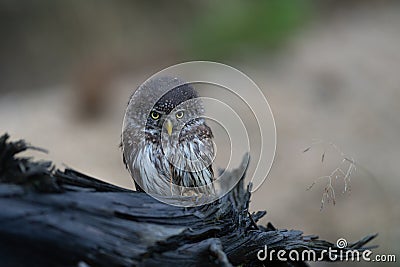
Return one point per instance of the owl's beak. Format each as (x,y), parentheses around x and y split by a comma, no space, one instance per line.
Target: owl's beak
(168,126)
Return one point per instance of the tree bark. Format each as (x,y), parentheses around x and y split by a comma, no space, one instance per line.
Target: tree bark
(50,217)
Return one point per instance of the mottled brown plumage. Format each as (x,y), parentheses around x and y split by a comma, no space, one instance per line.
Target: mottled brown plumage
(167,145)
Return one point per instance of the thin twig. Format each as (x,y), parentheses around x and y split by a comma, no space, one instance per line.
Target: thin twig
(344,170)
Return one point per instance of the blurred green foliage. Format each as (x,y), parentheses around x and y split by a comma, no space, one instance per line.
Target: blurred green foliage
(49,41)
(230,27)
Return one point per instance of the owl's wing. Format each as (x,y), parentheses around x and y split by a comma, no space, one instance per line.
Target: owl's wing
(138,188)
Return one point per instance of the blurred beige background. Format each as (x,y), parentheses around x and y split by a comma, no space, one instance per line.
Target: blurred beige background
(329,69)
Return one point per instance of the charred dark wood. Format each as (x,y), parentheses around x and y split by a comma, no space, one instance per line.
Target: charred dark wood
(50,217)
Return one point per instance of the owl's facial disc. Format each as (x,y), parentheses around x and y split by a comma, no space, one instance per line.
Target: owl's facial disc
(169,123)
(169,115)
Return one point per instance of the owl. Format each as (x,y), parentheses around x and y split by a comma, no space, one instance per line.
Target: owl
(167,145)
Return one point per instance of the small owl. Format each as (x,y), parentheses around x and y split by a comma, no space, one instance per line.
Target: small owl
(167,145)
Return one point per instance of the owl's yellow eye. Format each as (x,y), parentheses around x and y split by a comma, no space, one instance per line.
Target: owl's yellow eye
(155,115)
(179,114)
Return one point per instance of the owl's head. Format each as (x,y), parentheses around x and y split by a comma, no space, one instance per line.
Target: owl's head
(174,112)
(163,107)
